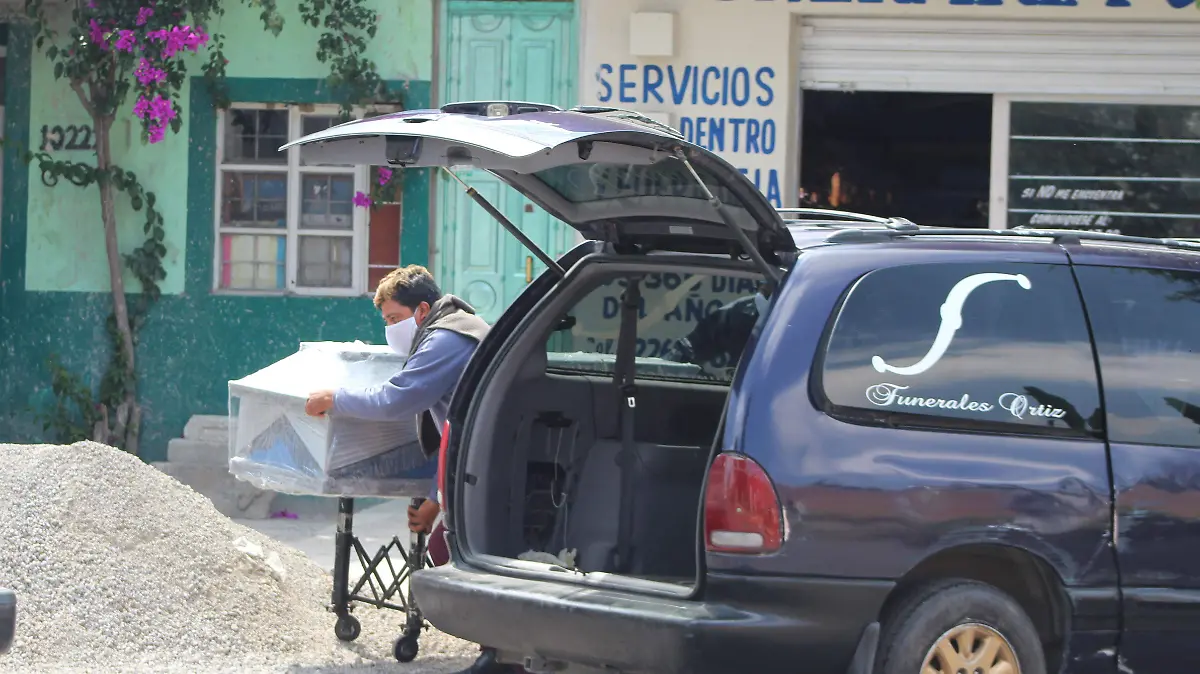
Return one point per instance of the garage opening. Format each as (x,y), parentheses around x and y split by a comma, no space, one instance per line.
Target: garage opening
(921,156)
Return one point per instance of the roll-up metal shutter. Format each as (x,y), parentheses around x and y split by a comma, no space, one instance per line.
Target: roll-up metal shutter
(999,56)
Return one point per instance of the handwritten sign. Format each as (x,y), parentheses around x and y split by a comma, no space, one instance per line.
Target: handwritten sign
(671,307)
(739,122)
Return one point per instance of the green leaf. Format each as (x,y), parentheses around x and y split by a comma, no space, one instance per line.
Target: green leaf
(58,70)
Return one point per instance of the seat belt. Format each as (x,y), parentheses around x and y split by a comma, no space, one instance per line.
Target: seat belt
(624,376)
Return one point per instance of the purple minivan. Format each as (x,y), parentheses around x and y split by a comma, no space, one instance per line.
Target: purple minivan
(717,437)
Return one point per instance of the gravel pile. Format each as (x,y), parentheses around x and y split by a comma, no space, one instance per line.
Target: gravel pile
(119,567)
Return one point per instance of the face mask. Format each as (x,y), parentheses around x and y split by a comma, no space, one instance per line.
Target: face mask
(400,336)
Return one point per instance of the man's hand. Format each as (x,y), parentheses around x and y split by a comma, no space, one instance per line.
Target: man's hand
(319,403)
(420,520)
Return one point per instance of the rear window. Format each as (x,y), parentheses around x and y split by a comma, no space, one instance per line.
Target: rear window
(579,183)
(690,327)
(1147,328)
(994,346)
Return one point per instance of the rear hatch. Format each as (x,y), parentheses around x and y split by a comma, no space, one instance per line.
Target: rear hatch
(612,175)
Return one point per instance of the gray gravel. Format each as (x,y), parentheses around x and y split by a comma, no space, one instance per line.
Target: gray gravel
(120,568)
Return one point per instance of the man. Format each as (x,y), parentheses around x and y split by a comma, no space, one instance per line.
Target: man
(438,333)
(724,332)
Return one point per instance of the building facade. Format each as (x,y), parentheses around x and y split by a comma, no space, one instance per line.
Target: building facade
(262,252)
(978,113)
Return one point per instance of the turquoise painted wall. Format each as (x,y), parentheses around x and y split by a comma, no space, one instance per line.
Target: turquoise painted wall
(53,278)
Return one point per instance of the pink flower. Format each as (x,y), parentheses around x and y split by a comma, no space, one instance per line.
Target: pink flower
(144,15)
(362,200)
(385,174)
(178,38)
(141,108)
(161,109)
(96,33)
(126,40)
(147,74)
(157,133)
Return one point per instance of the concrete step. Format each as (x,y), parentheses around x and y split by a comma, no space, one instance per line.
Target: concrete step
(207,428)
(231,496)
(181,450)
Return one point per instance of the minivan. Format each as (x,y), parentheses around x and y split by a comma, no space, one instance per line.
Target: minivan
(714,437)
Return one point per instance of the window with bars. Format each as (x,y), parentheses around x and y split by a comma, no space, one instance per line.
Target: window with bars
(287,227)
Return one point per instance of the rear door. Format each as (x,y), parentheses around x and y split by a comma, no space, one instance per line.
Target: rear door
(500,51)
(1146,323)
(607,174)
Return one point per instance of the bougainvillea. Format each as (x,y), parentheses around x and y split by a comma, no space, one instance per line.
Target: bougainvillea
(120,52)
(158,40)
(112,51)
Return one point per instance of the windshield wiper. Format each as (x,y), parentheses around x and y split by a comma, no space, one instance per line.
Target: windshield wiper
(722,210)
(507,224)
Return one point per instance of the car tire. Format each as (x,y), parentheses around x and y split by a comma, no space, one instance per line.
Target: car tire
(934,626)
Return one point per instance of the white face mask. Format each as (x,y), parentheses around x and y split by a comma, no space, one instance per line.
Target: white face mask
(400,336)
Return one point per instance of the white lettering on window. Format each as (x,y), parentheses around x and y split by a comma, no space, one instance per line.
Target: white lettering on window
(951,313)
(1016,404)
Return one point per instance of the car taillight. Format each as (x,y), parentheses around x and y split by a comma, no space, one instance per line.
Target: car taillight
(741,510)
(441,468)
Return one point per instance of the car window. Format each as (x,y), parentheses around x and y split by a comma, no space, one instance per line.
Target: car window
(996,345)
(691,327)
(579,183)
(1146,324)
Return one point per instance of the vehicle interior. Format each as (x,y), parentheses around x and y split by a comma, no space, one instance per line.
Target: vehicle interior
(618,487)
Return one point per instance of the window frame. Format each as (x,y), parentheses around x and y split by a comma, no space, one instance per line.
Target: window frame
(899,420)
(1002,136)
(294,172)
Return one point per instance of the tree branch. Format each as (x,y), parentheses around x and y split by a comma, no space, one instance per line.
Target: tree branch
(77,86)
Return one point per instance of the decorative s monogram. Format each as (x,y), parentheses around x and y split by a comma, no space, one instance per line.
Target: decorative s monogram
(951,313)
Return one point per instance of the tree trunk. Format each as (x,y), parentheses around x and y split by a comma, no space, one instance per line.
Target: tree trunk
(122,426)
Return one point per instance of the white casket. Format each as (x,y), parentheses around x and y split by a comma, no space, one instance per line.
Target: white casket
(275,446)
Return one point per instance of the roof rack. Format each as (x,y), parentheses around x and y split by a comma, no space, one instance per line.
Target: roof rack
(843,217)
(1057,235)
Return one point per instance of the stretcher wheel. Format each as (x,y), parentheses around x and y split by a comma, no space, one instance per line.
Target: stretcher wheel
(347,628)
(406,647)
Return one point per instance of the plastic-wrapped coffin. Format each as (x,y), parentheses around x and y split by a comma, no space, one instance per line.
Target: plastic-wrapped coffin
(275,446)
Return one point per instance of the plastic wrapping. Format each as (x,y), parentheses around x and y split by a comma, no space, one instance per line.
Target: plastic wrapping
(275,446)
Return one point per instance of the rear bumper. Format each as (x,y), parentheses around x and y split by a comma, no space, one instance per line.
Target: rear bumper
(8,619)
(747,623)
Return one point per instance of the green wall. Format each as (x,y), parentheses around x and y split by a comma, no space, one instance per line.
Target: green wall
(53,284)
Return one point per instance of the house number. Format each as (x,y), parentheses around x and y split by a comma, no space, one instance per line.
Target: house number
(71,137)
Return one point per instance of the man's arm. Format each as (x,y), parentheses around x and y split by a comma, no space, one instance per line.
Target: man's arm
(429,375)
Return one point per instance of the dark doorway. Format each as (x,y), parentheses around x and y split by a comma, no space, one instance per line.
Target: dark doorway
(924,157)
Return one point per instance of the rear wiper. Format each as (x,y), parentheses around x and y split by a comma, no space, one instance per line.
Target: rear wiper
(507,224)
(767,268)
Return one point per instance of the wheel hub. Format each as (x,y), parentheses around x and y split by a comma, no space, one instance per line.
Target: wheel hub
(971,649)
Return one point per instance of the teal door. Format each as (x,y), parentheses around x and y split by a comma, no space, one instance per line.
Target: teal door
(515,51)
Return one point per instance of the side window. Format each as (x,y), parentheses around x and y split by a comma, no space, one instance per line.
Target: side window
(1147,329)
(994,346)
(690,326)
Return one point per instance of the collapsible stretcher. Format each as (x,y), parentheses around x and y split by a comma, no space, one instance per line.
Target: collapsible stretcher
(275,446)
(384,576)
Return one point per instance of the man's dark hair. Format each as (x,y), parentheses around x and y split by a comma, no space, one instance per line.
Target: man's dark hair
(408,286)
